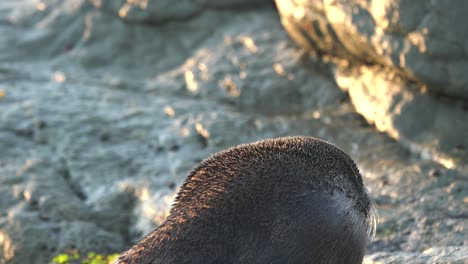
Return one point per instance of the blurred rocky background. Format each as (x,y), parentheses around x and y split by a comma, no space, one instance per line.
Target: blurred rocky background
(105,106)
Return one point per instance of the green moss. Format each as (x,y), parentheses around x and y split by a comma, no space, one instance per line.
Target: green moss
(73,257)
(65,258)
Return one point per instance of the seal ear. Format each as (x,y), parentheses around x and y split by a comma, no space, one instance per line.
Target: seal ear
(320,227)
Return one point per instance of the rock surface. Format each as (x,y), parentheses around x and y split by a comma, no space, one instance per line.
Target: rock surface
(432,126)
(426,40)
(432,255)
(402,62)
(102,116)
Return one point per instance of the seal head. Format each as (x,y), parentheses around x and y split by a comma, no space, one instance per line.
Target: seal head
(284,200)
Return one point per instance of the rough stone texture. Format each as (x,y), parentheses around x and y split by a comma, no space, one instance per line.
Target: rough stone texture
(164,11)
(434,127)
(431,255)
(427,40)
(403,63)
(101,119)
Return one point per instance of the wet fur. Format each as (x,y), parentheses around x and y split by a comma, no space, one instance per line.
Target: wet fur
(285,200)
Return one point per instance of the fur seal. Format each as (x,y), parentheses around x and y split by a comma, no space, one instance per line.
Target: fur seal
(284,200)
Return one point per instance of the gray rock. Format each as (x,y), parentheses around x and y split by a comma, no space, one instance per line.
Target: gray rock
(434,127)
(165,11)
(398,64)
(87,237)
(25,237)
(431,255)
(424,40)
(101,119)
(253,70)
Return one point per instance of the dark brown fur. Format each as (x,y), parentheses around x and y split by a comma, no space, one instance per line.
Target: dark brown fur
(285,200)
